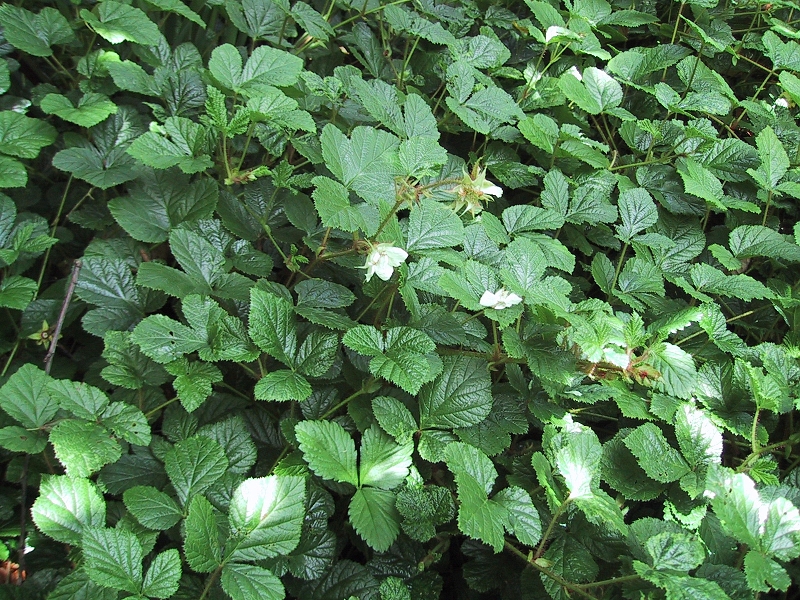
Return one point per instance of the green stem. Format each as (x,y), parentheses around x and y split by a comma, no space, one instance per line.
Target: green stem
(211,580)
(550,527)
(347,400)
(572,587)
(617,271)
(791,441)
(754,433)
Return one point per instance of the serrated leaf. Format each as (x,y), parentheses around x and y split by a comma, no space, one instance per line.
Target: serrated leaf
(26,398)
(373,515)
(193,465)
(678,375)
(319,293)
(83,447)
(523,518)
(383,463)
(78,586)
(202,546)
(117,22)
(282,385)
(266,516)
(34,33)
(637,211)
(92,108)
(578,462)
(328,449)
(710,280)
(596,92)
(774,160)
(113,558)
(151,507)
(317,353)
(756,240)
(161,579)
(66,507)
(249,582)
(164,339)
(393,416)
(365,340)
(460,396)
(265,68)
(331,199)
(432,225)
(22,136)
(677,551)
(698,437)
(272,325)
(178,7)
(681,587)
(658,459)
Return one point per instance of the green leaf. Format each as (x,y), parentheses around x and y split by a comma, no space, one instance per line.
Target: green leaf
(83,447)
(202,546)
(698,437)
(423,508)
(658,459)
(12,173)
(319,293)
(520,218)
(676,551)
(596,92)
(193,465)
(523,518)
(161,200)
(317,353)
(82,400)
(22,136)
(281,385)
(26,398)
(34,33)
(272,325)
(314,23)
(774,160)
(384,463)
(66,507)
(763,574)
(700,182)
(432,225)
(16,292)
(364,163)
(332,201)
(117,22)
(127,422)
(680,587)
(266,67)
(328,449)
(186,146)
(266,517)
(756,240)
(486,109)
(164,339)
(178,7)
(709,280)
(161,579)
(578,462)
(193,381)
(460,396)
(249,582)
(373,515)
(92,108)
(676,366)
(113,558)
(637,211)
(235,438)
(108,283)
(365,340)
(151,507)
(78,586)
(393,416)
(20,439)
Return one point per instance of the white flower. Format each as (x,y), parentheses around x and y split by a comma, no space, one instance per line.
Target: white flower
(782,102)
(500,299)
(382,260)
(473,190)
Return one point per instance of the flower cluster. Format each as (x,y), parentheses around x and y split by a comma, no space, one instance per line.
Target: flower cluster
(382,260)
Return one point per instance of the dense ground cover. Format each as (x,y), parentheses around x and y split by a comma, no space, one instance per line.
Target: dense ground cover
(399,300)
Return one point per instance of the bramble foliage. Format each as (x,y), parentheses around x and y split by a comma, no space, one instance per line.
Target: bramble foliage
(400,300)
